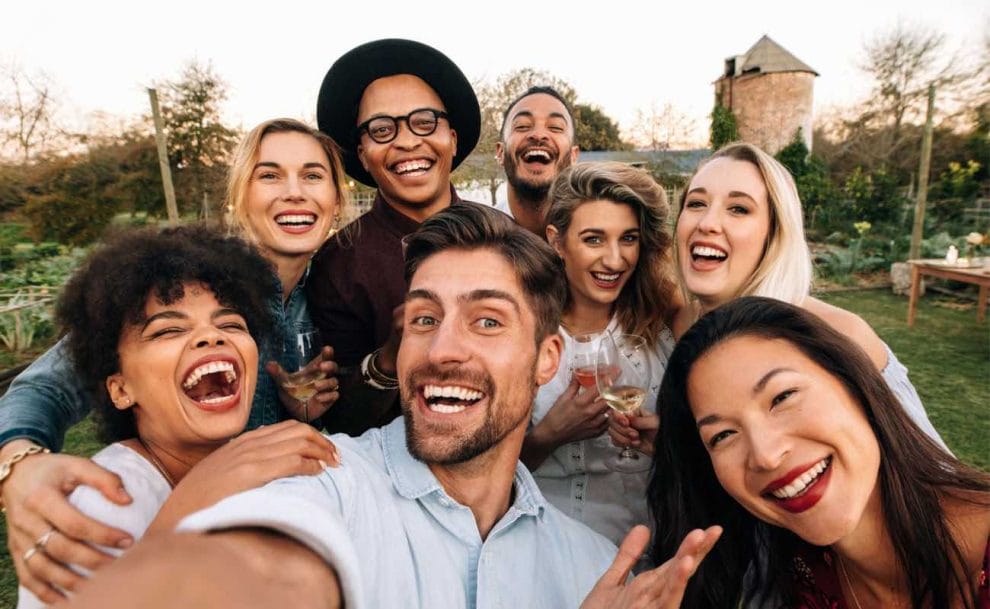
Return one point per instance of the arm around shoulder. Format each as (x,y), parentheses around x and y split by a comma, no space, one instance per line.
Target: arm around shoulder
(855,327)
(231,568)
(44,400)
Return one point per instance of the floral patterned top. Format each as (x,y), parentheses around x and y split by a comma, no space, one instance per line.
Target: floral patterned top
(818,586)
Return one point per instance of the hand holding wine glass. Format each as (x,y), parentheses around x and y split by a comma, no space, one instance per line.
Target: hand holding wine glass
(622,373)
(584,359)
(311,389)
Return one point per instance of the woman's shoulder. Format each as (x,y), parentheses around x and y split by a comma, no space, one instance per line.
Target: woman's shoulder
(147,488)
(849,324)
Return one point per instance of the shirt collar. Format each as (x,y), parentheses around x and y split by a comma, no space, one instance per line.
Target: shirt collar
(305,275)
(413,479)
(397,222)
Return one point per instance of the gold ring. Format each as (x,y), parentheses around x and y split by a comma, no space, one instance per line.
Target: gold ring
(27,555)
(40,544)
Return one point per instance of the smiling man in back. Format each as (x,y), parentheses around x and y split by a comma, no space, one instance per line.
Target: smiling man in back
(536,143)
(405,116)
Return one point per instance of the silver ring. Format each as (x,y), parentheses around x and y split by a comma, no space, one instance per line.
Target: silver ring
(40,544)
(27,555)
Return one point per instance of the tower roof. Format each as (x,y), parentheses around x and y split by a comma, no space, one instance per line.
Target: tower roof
(766,56)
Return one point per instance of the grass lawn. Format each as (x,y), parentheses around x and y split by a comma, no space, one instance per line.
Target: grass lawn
(947,353)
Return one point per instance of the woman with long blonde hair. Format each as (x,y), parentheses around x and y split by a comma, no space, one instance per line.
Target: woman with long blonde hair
(740,233)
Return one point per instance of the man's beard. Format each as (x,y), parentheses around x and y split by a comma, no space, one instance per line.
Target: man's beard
(443,446)
(532,192)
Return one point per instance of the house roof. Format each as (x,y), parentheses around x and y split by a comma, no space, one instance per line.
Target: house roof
(766,56)
(678,162)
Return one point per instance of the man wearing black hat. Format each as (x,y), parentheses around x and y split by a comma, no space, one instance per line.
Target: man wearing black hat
(405,116)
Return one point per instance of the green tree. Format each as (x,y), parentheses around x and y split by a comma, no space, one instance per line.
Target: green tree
(724,127)
(811,177)
(794,156)
(596,130)
(70,201)
(199,142)
(495,97)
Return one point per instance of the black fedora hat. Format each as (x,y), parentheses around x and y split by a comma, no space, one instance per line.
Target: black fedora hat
(349,76)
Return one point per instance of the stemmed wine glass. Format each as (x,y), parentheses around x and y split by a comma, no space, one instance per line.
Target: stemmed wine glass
(584,359)
(622,373)
(301,384)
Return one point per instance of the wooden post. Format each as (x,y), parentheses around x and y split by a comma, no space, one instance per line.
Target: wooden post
(170,206)
(923,170)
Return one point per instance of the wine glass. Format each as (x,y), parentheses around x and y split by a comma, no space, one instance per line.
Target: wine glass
(622,373)
(301,384)
(584,358)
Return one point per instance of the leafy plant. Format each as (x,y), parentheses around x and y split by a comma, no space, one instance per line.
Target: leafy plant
(724,127)
(24,320)
(34,271)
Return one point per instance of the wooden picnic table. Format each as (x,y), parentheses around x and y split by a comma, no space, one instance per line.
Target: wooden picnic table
(936,267)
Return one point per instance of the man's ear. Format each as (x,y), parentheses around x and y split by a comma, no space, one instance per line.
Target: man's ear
(548,358)
(119,395)
(453,137)
(500,153)
(574,154)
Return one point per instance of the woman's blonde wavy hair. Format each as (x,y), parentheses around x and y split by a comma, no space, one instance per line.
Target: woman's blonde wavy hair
(246,155)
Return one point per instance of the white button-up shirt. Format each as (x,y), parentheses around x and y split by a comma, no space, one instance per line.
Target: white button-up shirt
(574,477)
(396,539)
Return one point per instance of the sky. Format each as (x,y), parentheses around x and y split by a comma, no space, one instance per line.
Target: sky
(620,55)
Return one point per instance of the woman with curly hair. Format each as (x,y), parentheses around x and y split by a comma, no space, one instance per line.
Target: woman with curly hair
(160,329)
(607,222)
(780,429)
(285,193)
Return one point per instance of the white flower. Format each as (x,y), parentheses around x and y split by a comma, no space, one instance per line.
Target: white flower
(974,238)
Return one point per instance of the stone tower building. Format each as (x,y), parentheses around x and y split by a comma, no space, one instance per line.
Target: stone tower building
(770,92)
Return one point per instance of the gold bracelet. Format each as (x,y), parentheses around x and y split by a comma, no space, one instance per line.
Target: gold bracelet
(8,466)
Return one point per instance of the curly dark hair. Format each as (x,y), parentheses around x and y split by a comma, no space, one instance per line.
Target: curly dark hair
(109,291)
(915,476)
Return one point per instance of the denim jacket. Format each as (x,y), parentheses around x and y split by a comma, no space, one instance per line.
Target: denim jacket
(48,398)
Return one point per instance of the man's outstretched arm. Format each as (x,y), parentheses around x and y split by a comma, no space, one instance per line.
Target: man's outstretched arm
(229,568)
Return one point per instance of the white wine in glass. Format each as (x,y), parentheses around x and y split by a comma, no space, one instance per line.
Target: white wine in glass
(622,373)
(301,384)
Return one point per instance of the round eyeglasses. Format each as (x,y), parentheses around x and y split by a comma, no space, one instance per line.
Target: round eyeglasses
(384,129)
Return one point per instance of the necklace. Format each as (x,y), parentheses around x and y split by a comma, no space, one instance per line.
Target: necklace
(157,463)
(849,585)
(845,576)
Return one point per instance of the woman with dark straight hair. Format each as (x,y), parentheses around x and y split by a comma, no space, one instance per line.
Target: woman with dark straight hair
(781,430)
